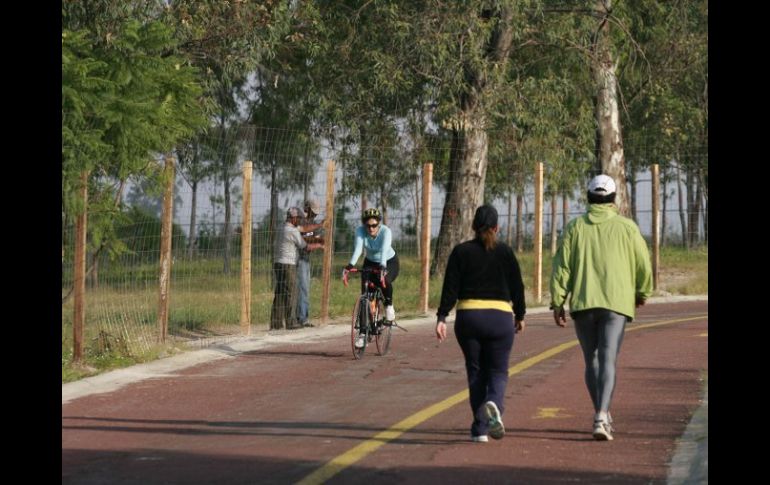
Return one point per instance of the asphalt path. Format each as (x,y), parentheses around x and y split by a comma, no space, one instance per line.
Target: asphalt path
(295,407)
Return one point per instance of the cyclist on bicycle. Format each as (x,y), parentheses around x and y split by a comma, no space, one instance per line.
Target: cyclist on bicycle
(376,238)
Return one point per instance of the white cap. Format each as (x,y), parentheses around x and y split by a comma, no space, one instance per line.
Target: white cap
(601,185)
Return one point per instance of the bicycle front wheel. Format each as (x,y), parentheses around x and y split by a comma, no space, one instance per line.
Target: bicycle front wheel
(383,331)
(359,328)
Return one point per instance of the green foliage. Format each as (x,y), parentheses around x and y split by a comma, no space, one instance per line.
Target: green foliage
(125,99)
(343,232)
(141,234)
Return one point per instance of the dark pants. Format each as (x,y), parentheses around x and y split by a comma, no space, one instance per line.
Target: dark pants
(285,299)
(486,338)
(393,268)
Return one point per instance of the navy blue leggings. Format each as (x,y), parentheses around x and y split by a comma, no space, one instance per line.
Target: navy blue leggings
(486,338)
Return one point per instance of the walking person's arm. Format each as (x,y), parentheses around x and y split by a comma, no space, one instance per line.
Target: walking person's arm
(516,284)
(449,292)
(561,273)
(643,269)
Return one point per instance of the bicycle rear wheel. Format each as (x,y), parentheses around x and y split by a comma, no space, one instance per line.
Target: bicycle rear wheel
(383,331)
(359,328)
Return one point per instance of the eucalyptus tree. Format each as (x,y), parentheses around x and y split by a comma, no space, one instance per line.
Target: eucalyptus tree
(444,58)
(463,49)
(282,143)
(543,116)
(368,99)
(667,105)
(194,169)
(229,41)
(598,33)
(125,99)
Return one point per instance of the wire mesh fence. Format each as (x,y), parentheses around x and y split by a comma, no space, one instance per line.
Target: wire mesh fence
(290,167)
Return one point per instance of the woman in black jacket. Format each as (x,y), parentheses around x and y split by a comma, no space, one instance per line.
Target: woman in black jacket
(483,277)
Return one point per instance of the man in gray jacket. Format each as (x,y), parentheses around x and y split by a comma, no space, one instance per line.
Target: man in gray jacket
(288,243)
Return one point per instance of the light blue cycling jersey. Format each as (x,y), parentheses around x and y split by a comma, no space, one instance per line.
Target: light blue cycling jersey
(377,249)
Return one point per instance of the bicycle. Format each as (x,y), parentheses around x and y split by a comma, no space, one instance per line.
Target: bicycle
(369,320)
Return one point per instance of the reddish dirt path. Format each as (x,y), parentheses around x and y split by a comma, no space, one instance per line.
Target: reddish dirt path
(276,415)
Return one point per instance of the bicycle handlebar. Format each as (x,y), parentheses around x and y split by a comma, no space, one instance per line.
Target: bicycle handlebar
(369,270)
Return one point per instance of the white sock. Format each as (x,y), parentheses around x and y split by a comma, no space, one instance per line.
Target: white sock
(601,416)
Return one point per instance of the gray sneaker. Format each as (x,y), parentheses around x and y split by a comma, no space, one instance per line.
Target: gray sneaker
(496,427)
(602,431)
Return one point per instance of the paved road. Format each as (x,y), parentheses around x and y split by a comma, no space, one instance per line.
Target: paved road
(291,407)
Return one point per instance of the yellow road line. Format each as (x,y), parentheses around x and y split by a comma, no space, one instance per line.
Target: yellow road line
(358,452)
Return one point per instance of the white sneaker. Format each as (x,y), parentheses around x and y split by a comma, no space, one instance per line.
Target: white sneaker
(602,431)
(606,418)
(359,342)
(390,313)
(496,428)
(480,439)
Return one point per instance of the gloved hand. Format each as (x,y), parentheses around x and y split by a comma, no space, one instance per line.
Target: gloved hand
(345,272)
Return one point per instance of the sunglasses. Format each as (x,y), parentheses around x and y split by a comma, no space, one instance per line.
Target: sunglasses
(371,226)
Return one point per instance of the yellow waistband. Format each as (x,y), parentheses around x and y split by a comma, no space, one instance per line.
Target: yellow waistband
(484,305)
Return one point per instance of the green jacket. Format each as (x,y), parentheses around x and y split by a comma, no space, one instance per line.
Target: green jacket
(603,262)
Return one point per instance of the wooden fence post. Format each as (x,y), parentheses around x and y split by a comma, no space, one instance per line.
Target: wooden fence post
(246,251)
(655,225)
(165,250)
(328,243)
(538,289)
(427,184)
(80,273)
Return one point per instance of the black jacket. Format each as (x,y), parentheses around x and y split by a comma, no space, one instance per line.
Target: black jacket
(475,273)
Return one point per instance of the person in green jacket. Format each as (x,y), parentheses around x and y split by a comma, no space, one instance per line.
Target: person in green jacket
(603,267)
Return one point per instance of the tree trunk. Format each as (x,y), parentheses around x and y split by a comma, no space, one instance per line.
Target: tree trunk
(519,223)
(553,224)
(632,184)
(510,219)
(417,212)
(697,211)
(664,196)
(193,215)
(227,229)
(308,177)
(95,270)
(564,210)
(465,192)
(682,218)
(609,139)
(273,208)
(692,209)
(706,221)
(468,159)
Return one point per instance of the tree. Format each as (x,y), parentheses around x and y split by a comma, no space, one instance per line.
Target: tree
(125,100)
(447,59)
(194,169)
(229,41)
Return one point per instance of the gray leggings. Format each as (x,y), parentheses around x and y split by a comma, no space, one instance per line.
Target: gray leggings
(600,333)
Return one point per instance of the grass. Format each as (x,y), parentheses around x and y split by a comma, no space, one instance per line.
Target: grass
(121,315)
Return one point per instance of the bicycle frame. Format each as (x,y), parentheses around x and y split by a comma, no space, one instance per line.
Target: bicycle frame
(368,316)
